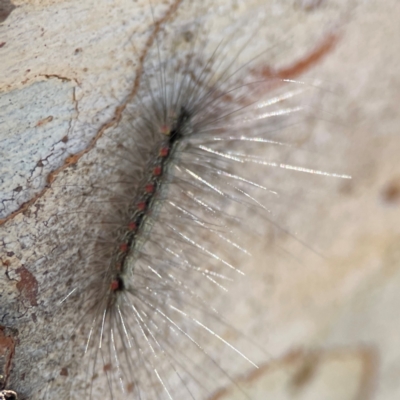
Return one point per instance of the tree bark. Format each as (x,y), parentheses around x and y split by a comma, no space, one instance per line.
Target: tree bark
(66,67)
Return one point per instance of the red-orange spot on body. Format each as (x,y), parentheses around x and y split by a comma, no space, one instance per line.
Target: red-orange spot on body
(149,188)
(132,226)
(114,285)
(157,171)
(141,206)
(165,129)
(164,152)
(123,247)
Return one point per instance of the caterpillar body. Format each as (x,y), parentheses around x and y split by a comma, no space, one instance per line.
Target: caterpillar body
(155,244)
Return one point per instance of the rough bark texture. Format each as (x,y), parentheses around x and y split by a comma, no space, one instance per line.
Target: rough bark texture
(330,322)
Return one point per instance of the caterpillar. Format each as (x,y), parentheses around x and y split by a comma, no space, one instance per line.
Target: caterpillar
(182,181)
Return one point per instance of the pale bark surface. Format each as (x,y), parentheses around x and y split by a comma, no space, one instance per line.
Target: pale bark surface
(329,322)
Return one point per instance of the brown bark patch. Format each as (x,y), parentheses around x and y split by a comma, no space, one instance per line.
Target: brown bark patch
(27,286)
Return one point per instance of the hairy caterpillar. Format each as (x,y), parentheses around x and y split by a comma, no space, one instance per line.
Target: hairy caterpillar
(206,95)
